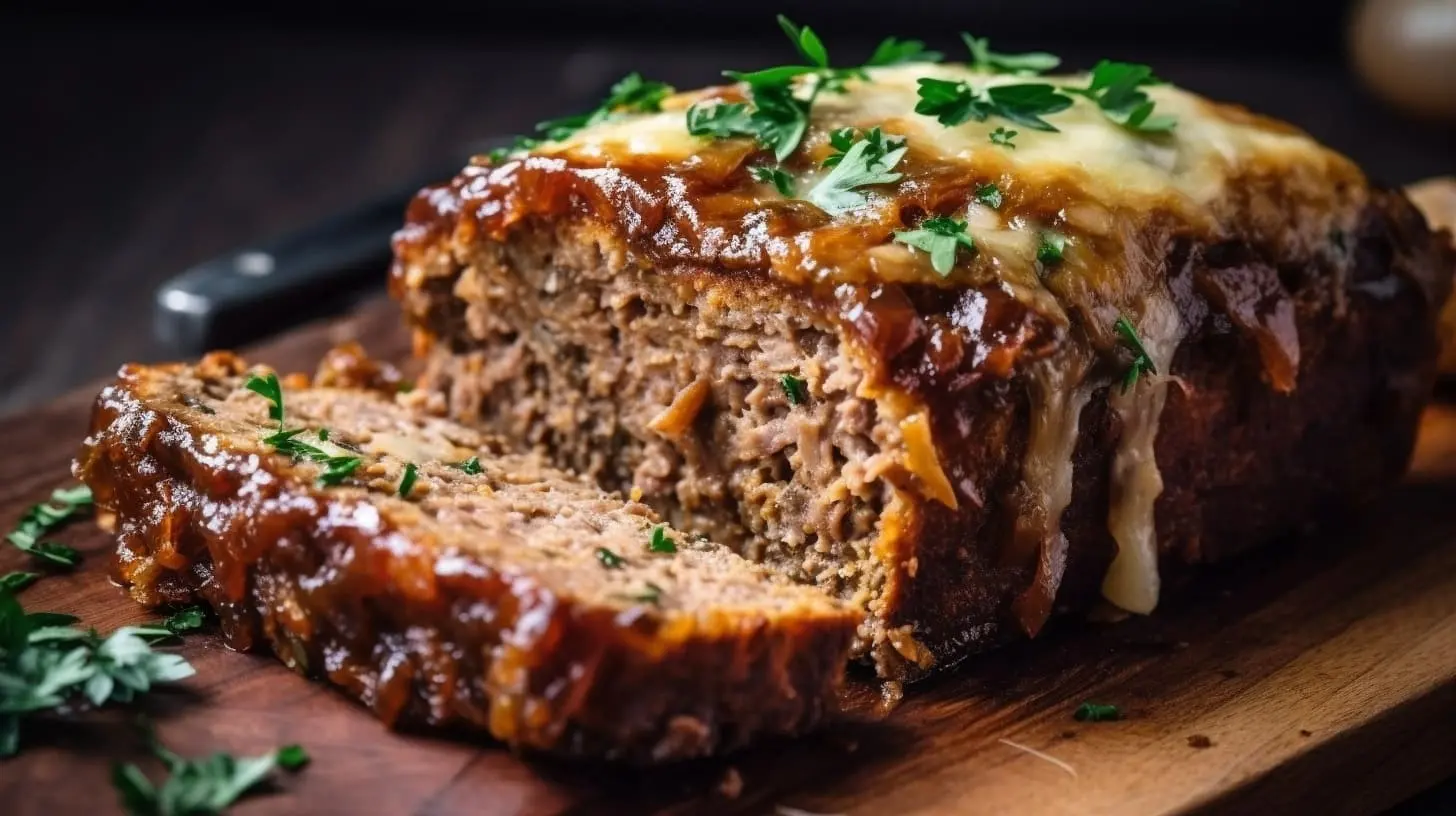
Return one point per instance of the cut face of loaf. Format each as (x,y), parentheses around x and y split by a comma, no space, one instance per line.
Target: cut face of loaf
(1162,349)
(499,593)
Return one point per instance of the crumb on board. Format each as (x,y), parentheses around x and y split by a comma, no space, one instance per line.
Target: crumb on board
(731,784)
(1200,741)
(1227,674)
(1305,732)
(1069,734)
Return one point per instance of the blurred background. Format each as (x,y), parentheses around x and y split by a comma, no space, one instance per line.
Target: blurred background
(140,142)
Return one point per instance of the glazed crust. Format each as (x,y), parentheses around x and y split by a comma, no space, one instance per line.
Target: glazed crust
(339,588)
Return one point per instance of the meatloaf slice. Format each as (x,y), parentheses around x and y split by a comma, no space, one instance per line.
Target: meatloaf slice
(1163,348)
(487,590)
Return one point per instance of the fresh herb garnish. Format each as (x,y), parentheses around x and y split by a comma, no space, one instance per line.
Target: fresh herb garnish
(651,594)
(198,787)
(630,94)
(892,51)
(1001,136)
(781,180)
(1096,712)
(941,237)
(185,620)
(46,664)
(335,468)
(870,160)
(990,195)
(1142,362)
(65,504)
(13,582)
(338,468)
(407,481)
(1030,63)
(609,559)
(954,102)
(270,389)
(795,389)
(470,466)
(661,542)
(1115,87)
(1050,247)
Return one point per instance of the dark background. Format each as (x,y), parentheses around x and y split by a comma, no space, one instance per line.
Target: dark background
(136,144)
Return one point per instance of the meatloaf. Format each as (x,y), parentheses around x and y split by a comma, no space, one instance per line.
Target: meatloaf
(1143,349)
(443,581)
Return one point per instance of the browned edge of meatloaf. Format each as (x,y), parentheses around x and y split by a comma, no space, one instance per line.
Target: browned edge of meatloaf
(336,593)
(513,342)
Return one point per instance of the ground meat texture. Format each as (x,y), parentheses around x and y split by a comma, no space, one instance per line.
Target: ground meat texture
(520,600)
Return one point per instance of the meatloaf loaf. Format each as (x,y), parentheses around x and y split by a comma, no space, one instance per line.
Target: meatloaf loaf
(442,581)
(957,366)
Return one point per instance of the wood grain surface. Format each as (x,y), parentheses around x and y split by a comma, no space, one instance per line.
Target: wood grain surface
(1320,673)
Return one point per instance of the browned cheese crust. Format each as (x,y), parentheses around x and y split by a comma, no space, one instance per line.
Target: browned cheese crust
(477,602)
(997,464)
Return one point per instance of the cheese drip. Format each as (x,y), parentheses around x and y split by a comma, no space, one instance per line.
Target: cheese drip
(1132,581)
(1059,392)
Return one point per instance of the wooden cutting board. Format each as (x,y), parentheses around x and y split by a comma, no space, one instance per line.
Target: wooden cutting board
(1319,676)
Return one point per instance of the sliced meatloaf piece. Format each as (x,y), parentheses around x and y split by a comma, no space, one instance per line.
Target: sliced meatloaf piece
(442,581)
(1162,348)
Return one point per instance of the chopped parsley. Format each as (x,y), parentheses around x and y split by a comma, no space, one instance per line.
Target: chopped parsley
(270,389)
(65,504)
(470,466)
(185,620)
(661,542)
(1001,136)
(781,180)
(197,787)
(334,470)
(1142,362)
(13,582)
(990,195)
(338,468)
(954,102)
(892,51)
(407,481)
(1116,88)
(651,594)
(870,160)
(46,664)
(609,559)
(795,389)
(1030,63)
(941,237)
(840,141)
(630,94)
(1050,247)
(1096,712)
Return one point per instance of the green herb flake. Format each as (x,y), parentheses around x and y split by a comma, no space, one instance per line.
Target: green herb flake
(795,389)
(892,51)
(990,195)
(338,468)
(661,541)
(407,481)
(650,594)
(1142,362)
(609,559)
(196,787)
(65,505)
(1116,87)
(1030,63)
(780,180)
(956,102)
(941,237)
(470,466)
(1096,712)
(869,161)
(13,582)
(1050,247)
(269,388)
(185,620)
(1003,137)
(630,94)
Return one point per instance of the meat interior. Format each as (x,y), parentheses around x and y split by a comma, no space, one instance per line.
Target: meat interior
(733,411)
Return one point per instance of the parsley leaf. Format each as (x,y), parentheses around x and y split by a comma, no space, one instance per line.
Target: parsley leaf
(1142,362)
(1050,247)
(407,481)
(270,389)
(990,195)
(185,620)
(1097,712)
(470,466)
(778,119)
(338,468)
(1030,63)
(781,180)
(198,787)
(65,504)
(661,541)
(892,51)
(810,46)
(841,140)
(1002,136)
(13,582)
(651,594)
(1115,87)
(871,160)
(795,389)
(630,94)
(955,102)
(941,237)
(609,559)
